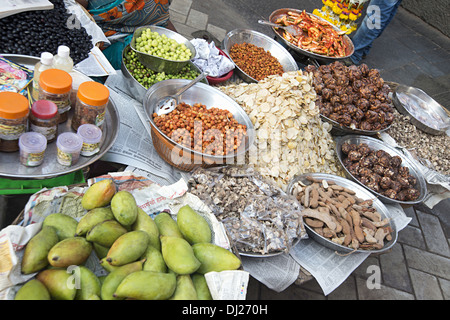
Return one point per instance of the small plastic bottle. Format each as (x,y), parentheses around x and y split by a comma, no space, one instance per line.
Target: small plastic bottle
(44,64)
(63,60)
(91,135)
(68,147)
(32,147)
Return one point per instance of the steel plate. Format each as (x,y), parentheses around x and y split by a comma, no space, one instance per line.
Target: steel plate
(376,144)
(279,12)
(361,193)
(433,118)
(10,165)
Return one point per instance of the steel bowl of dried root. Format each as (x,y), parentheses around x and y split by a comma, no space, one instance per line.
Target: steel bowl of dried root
(341,215)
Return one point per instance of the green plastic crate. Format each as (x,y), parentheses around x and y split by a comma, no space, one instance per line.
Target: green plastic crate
(30,186)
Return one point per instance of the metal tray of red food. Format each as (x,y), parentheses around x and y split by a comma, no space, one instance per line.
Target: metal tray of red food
(279,12)
(10,166)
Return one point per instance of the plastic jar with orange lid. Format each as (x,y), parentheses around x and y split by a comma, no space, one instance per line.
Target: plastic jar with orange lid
(90,106)
(55,85)
(14,110)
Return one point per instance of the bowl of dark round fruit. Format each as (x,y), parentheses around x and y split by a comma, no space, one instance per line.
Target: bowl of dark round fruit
(139,78)
(381,169)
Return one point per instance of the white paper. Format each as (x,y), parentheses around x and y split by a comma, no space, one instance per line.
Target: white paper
(10,7)
(228,285)
(208,59)
(277,272)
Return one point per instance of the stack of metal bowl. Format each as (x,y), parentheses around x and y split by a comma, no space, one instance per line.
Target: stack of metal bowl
(239,36)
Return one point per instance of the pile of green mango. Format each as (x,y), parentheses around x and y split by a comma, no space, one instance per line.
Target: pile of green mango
(146,258)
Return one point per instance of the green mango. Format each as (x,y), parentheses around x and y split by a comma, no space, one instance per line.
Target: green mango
(100,251)
(154,260)
(167,226)
(124,208)
(35,255)
(70,251)
(93,297)
(113,279)
(91,218)
(98,194)
(201,286)
(65,225)
(145,223)
(106,232)
(105,264)
(128,248)
(193,227)
(90,285)
(178,255)
(147,285)
(33,290)
(214,258)
(185,289)
(58,283)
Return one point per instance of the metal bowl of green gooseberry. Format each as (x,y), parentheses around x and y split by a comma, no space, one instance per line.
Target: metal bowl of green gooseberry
(139,78)
(161,49)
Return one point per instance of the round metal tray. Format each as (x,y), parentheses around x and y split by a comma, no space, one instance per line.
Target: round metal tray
(279,12)
(430,109)
(376,144)
(10,165)
(361,193)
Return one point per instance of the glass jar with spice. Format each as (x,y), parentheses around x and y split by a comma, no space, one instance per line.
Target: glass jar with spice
(90,107)
(44,119)
(55,85)
(14,112)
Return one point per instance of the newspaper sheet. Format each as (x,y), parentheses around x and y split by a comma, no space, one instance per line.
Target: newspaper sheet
(150,197)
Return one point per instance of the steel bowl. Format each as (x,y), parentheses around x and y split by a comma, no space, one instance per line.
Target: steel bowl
(239,36)
(280,12)
(375,144)
(136,89)
(178,155)
(424,112)
(362,193)
(159,64)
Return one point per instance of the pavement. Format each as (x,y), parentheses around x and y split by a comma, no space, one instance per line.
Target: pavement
(409,52)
